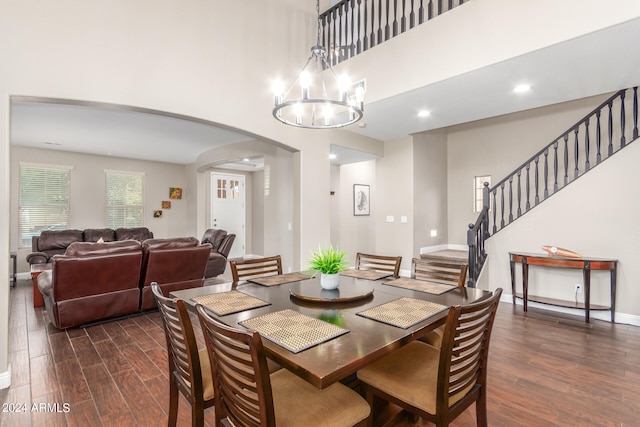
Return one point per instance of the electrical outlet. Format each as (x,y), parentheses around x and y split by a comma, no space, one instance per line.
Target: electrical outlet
(578,288)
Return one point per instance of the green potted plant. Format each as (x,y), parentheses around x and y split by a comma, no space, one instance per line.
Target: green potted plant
(329,262)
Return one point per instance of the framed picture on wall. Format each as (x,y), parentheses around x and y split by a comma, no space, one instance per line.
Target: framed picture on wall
(175,193)
(361,200)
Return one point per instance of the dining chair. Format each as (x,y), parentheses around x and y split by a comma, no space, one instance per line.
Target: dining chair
(247,395)
(243,269)
(448,273)
(189,368)
(439,384)
(381,263)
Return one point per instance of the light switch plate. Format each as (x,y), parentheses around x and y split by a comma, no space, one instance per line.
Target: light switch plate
(390,218)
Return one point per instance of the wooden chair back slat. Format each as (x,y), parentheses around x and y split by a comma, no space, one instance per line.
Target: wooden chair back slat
(240,374)
(185,369)
(439,271)
(253,268)
(381,263)
(465,348)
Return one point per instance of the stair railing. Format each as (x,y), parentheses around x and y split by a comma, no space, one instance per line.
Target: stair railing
(596,137)
(350,27)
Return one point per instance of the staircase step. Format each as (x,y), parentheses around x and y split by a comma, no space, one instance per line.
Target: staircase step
(448,255)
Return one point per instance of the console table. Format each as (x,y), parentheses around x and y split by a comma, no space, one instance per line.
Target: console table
(583,263)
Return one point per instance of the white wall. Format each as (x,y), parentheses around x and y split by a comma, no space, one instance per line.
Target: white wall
(394,197)
(357,233)
(429,190)
(87,198)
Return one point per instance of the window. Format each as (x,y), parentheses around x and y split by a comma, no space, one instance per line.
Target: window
(124,193)
(44,200)
(478,185)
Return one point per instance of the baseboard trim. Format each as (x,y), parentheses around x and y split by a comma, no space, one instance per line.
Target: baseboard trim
(430,249)
(23,276)
(622,318)
(5,378)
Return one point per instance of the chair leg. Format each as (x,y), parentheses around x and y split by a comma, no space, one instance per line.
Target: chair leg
(173,401)
(376,404)
(197,415)
(481,409)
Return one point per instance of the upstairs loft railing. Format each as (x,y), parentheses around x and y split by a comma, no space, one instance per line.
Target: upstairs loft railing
(593,139)
(351,27)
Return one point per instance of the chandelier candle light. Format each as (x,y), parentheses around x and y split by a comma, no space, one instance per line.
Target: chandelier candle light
(315,109)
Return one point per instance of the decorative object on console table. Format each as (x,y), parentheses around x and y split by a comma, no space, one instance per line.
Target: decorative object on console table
(175,193)
(361,200)
(329,262)
(560,252)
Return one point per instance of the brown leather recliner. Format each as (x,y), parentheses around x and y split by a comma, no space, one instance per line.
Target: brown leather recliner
(221,243)
(91,282)
(174,264)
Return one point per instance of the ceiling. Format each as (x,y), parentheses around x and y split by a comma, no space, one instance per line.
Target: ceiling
(590,65)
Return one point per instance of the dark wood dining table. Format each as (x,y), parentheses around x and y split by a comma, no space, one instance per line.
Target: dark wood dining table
(341,357)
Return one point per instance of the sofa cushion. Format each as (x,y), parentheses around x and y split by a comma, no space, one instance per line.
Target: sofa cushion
(106,248)
(138,233)
(56,240)
(173,243)
(95,234)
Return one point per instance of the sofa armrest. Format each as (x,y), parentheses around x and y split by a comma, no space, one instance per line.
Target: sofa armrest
(45,283)
(225,246)
(37,258)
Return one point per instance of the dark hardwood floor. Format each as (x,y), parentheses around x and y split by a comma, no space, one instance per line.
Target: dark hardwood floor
(545,369)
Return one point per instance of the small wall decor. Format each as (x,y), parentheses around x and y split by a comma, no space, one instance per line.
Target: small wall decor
(166,204)
(157,214)
(175,193)
(361,200)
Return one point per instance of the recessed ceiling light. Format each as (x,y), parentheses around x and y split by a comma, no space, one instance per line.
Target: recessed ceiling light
(246,159)
(424,113)
(522,88)
(332,156)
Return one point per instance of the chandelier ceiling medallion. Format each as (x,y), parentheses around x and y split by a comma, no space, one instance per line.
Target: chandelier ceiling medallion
(326,101)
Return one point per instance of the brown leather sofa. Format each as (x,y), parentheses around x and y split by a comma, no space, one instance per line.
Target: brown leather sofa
(92,281)
(221,243)
(98,281)
(174,264)
(55,242)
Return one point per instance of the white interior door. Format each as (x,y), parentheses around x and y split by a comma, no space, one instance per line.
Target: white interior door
(228,208)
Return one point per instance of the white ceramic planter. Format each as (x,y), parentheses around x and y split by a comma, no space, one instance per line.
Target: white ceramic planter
(329,281)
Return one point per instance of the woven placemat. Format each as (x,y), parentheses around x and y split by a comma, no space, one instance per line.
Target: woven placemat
(292,330)
(403,312)
(222,303)
(365,274)
(279,279)
(420,285)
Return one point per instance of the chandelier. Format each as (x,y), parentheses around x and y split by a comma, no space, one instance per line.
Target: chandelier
(325,100)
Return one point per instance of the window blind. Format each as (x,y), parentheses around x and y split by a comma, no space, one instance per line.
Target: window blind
(124,194)
(44,200)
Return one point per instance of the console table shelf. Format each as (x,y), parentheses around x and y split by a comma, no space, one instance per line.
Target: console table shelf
(586,264)
(561,303)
